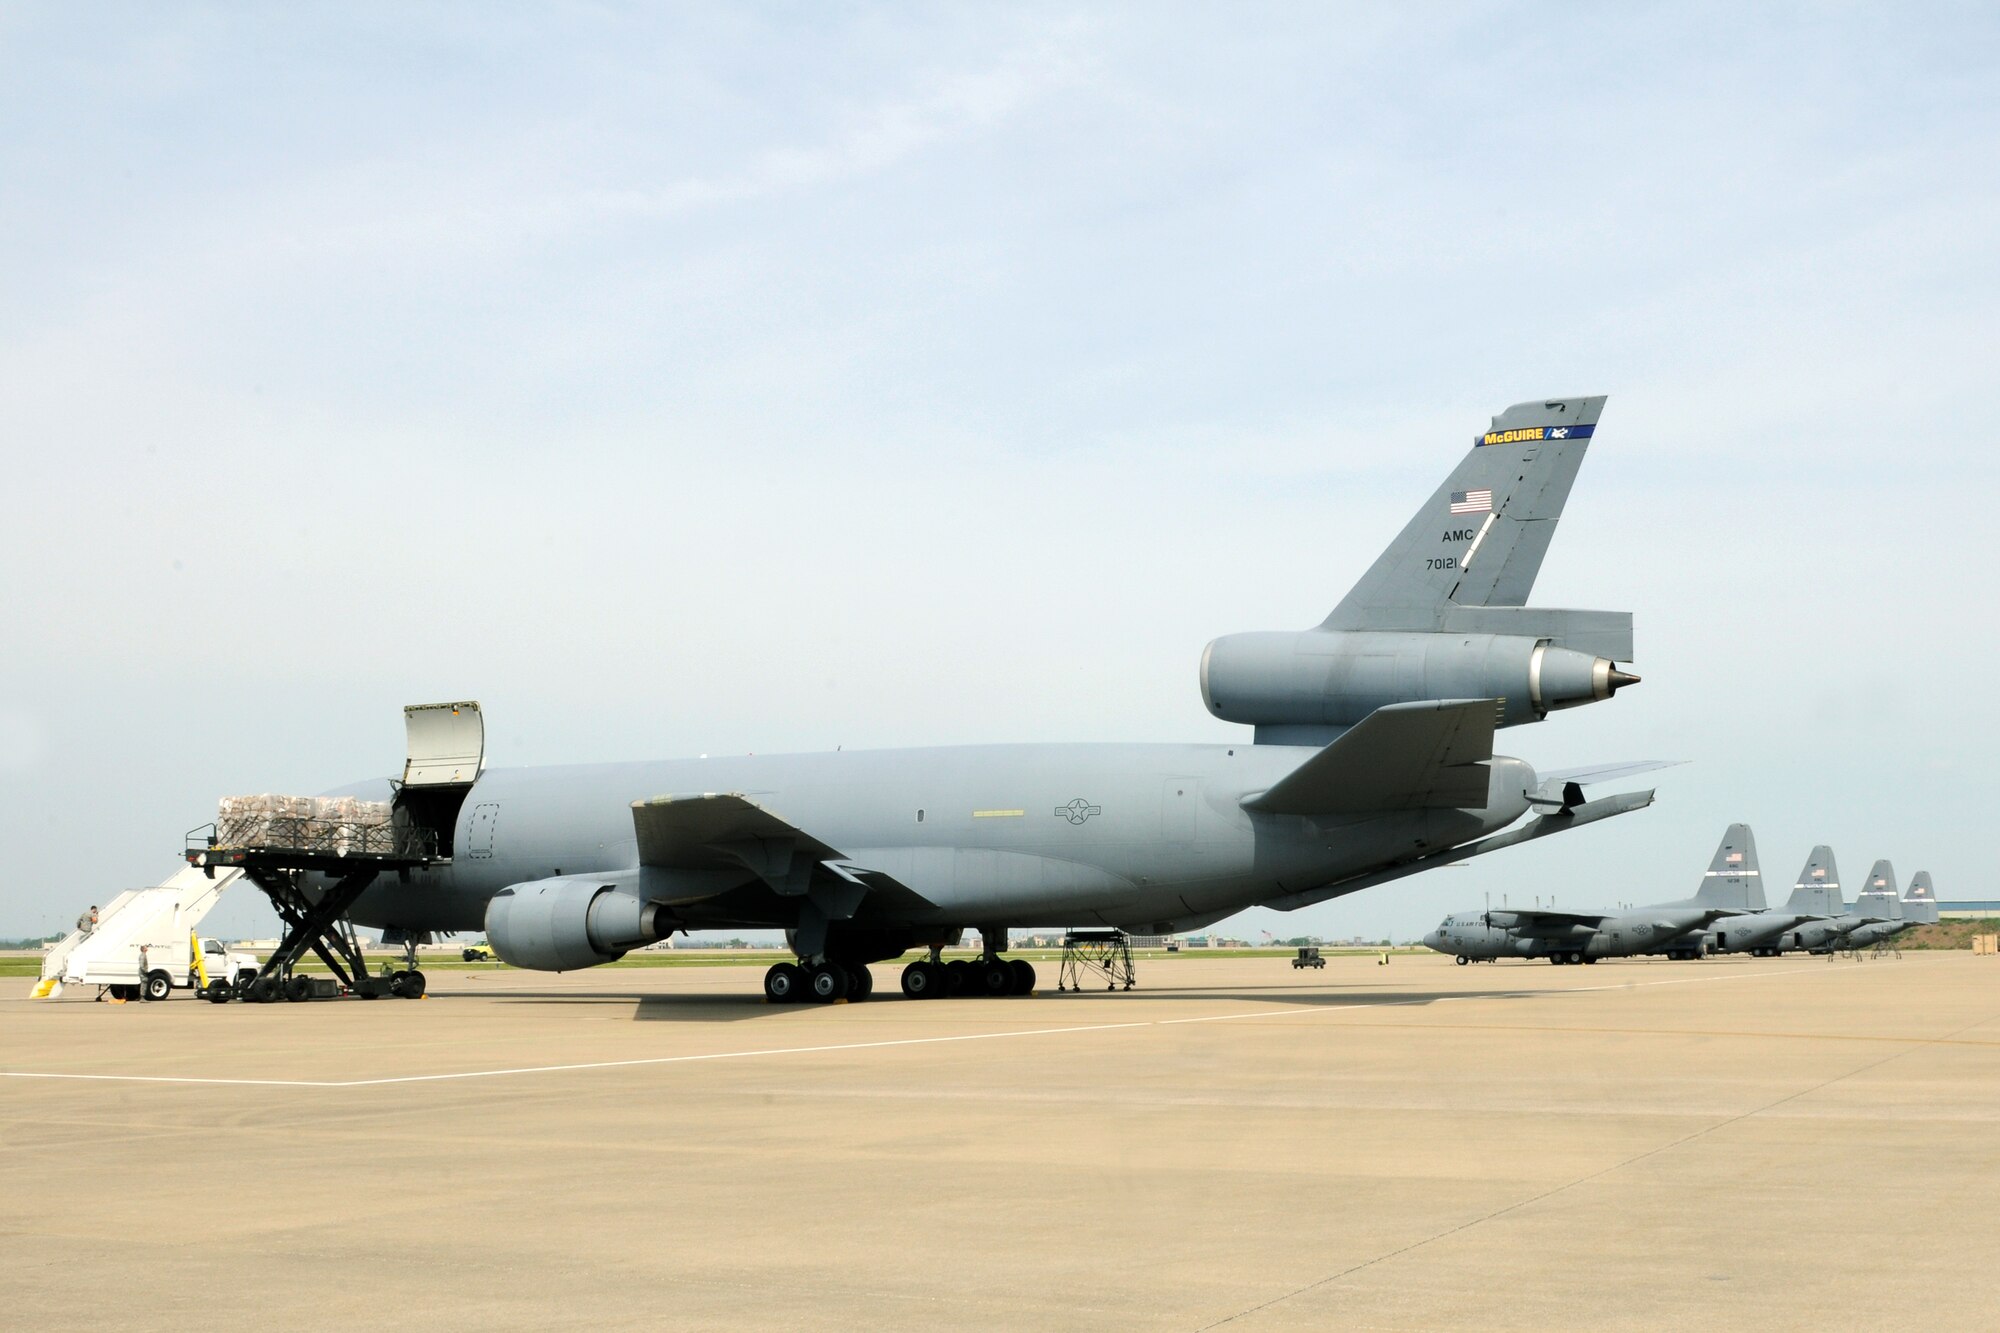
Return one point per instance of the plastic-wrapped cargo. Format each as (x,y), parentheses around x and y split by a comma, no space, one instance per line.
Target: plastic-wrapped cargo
(338,824)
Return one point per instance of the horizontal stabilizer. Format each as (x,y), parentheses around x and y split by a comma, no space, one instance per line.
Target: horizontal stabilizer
(1562,788)
(1590,773)
(1409,756)
(1542,826)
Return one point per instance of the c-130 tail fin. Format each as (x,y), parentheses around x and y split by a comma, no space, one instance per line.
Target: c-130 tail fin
(1733,879)
(1818,888)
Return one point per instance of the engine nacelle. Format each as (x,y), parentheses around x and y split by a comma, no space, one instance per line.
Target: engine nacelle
(559,925)
(1337,677)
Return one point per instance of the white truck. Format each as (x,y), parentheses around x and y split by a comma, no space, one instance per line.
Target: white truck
(144,945)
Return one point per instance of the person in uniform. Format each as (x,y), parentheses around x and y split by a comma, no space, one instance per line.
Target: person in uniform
(88,921)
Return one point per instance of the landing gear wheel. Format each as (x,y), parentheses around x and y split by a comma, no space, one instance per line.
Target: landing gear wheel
(124,992)
(158,986)
(826,982)
(783,984)
(217,992)
(298,990)
(1574,958)
(860,983)
(1463,960)
(923,980)
(413,985)
(1024,976)
(958,978)
(263,990)
(396,980)
(996,977)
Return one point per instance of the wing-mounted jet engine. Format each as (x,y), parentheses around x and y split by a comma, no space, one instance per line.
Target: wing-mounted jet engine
(562,924)
(1441,614)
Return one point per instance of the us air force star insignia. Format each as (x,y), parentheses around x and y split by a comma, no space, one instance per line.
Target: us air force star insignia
(1079,810)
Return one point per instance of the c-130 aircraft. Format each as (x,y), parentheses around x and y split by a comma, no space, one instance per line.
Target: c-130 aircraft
(1371,759)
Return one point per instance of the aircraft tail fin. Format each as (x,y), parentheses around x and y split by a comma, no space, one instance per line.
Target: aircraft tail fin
(1920,901)
(1733,881)
(1479,541)
(1818,889)
(1879,897)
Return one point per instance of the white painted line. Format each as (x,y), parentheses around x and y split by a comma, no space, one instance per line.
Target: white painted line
(759,1052)
(592,1064)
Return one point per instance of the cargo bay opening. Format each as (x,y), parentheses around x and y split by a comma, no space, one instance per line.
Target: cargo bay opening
(445,745)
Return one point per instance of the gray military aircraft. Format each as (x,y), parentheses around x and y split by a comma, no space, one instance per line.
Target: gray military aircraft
(1817,895)
(1764,933)
(1371,759)
(1879,910)
(1760,931)
(1674,928)
(1920,903)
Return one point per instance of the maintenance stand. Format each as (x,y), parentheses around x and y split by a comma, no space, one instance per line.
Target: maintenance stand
(1100,953)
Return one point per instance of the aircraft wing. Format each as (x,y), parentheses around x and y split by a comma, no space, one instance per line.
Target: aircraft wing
(1409,756)
(1540,921)
(729,831)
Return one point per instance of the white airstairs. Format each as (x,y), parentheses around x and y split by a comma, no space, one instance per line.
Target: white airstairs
(157,920)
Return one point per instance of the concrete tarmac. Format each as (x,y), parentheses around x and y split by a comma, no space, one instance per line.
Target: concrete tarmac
(1784,1143)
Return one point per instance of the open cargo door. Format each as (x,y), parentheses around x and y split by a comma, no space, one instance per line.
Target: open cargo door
(446,746)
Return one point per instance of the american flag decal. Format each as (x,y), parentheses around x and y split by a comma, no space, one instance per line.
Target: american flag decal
(1736,858)
(1472,502)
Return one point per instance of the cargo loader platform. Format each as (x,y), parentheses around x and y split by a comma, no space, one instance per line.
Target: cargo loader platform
(314,856)
(315,922)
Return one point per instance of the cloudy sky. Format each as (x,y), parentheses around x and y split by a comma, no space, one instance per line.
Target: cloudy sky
(680,380)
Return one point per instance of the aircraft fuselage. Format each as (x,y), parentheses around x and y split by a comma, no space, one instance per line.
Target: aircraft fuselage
(1128,835)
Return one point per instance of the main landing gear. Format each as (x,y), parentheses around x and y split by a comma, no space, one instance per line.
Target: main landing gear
(930,978)
(991,975)
(820,983)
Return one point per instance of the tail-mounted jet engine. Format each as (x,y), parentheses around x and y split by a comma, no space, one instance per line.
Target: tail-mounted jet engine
(1321,678)
(559,925)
